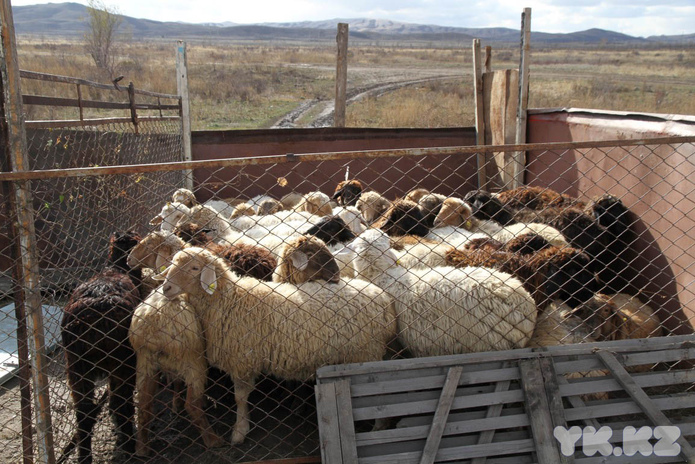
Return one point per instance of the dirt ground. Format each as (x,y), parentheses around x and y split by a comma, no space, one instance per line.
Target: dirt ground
(283,426)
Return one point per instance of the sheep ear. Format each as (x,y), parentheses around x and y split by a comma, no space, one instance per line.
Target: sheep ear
(162,275)
(160,264)
(299,260)
(208,279)
(155,221)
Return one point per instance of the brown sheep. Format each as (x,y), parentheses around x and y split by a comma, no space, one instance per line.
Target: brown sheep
(372,205)
(347,192)
(402,218)
(537,198)
(305,259)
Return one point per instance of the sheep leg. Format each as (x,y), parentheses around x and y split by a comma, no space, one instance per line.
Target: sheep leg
(178,402)
(242,390)
(121,404)
(147,386)
(86,411)
(194,406)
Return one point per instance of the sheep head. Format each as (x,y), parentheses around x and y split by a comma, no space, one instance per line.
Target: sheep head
(191,269)
(332,230)
(372,205)
(370,252)
(171,214)
(416,194)
(403,217)
(486,206)
(185,197)
(454,212)
(306,259)
(155,251)
(348,192)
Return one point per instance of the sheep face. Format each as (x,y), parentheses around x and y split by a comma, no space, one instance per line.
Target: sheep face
(332,230)
(185,197)
(348,192)
(154,251)
(191,269)
(486,206)
(454,212)
(403,218)
(372,205)
(171,214)
(570,277)
(269,206)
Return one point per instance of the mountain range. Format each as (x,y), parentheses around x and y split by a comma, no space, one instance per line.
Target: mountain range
(68,19)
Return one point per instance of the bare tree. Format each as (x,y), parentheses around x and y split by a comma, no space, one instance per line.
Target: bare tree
(102,26)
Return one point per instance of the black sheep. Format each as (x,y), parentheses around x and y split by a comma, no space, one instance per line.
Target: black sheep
(332,230)
(403,217)
(94,330)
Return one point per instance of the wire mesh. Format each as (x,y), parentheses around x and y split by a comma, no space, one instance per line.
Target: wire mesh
(450,276)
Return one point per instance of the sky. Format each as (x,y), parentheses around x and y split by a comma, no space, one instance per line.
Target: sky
(639,18)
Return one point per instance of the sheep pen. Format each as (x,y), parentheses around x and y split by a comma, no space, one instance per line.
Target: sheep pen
(277,431)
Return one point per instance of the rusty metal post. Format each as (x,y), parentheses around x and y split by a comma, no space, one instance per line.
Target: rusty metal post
(341,76)
(185,112)
(27,269)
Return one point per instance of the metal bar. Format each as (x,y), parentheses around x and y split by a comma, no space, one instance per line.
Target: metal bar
(327,156)
(28,265)
(479,113)
(184,106)
(52,124)
(75,80)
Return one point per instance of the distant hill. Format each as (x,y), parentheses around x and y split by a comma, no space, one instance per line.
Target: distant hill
(68,19)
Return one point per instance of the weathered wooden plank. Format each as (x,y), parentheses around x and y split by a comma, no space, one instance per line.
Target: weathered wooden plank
(599,384)
(519,157)
(346,423)
(479,113)
(341,75)
(538,411)
(455,426)
(616,408)
(631,359)
(644,401)
(635,345)
(428,406)
(577,402)
(457,453)
(492,411)
(440,415)
(329,429)
(182,87)
(555,406)
(458,417)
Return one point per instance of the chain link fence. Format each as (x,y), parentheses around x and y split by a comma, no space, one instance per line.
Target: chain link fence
(607,259)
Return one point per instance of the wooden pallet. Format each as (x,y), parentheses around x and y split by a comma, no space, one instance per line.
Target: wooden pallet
(504,407)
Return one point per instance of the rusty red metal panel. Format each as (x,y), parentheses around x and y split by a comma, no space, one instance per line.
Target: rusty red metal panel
(655,183)
(383,175)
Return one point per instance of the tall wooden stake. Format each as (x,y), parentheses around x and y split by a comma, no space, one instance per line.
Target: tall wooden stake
(27,271)
(341,76)
(479,112)
(520,157)
(182,86)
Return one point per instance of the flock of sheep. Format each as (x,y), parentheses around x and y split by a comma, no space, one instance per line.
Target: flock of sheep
(283,287)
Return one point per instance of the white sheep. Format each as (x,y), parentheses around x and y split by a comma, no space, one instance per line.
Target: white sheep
(352,217)
(209,218)
(446,310)
(372,205)
(167,338)
(184,196)
(317,203)
(277,328)
(170,215)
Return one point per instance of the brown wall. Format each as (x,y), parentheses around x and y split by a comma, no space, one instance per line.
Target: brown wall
(655,183)
(390,176)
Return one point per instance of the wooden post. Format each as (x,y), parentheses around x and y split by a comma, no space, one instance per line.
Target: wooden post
(520,157)
(488,58)
(341,76)
(27,269)
(182,86)
(479,112)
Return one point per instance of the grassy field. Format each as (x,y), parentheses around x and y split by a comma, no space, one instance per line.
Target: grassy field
(250,86)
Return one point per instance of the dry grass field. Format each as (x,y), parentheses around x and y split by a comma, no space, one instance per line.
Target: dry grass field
(253,85)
